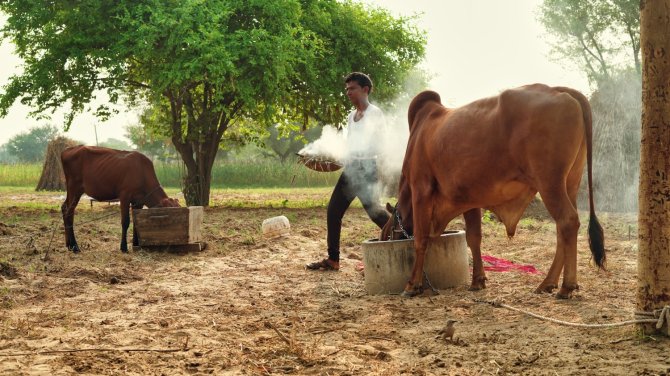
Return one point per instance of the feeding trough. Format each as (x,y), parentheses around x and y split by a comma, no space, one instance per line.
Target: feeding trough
(388,264)
(177,228)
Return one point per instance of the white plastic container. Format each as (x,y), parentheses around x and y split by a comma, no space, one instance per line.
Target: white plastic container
(276,226)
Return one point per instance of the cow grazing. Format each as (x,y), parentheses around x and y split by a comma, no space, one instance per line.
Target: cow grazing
(497,153)
(108,174)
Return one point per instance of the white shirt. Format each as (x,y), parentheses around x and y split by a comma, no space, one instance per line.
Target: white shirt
(364,135)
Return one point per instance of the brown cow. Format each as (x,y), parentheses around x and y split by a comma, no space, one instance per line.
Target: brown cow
(108,174)
(497,153)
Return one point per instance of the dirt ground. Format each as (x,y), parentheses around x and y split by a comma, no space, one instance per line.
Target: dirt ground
(246,305)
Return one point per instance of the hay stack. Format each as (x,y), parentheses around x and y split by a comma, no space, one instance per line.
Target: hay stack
(52,178)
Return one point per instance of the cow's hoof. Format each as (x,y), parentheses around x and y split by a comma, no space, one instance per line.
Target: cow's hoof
(478,284)
(74,249)
(545,289)
(566,292)
(412,292)
(409,294)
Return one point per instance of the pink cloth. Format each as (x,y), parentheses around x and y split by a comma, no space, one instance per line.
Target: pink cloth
(502,265)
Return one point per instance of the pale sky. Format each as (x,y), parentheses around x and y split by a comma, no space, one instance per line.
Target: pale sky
(476,48)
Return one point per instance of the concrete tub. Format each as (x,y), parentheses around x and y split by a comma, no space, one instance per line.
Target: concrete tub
(388,264)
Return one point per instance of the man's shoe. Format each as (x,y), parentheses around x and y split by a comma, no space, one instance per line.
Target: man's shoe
(325,264)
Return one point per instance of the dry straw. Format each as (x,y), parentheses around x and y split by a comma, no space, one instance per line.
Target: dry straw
(53,178)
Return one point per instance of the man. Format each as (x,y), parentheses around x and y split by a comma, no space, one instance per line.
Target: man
(359,178)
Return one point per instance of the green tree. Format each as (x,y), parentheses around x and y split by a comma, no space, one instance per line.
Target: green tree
(150,136)
(154,146)
(6,157)
(601,36)
(205,65)
(115,143)
(30,146)
(284,145)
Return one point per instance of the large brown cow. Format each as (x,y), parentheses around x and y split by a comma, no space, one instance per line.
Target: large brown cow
(108,174)
(497,153)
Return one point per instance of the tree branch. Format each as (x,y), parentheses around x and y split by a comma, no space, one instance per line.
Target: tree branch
(184,148)
(137,84)
(205,93)
(589,66)
(190,115)
(636,47)
(586,49)
(601,58)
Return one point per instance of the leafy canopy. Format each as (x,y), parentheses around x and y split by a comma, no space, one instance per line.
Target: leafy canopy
(601,36)
(270,60)
(205,66)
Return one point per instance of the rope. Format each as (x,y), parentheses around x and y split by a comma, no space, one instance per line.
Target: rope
(94,219)
(433,289)
(78,224)
(661,316)
(55,226)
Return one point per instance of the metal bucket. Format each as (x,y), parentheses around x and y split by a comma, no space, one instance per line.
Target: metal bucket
(388,264)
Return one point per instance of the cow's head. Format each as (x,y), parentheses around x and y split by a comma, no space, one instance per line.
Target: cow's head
(397,227)
(169,202)
(400,225)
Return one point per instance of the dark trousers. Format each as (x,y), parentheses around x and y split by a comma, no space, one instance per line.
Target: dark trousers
(359,179)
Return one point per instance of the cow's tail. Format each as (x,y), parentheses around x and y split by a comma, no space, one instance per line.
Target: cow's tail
(596,234)
(417,104)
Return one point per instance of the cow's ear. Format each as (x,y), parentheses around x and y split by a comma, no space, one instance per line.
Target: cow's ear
(389,208)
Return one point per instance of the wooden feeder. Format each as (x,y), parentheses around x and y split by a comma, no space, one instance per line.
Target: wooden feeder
(388,264)
(177,228)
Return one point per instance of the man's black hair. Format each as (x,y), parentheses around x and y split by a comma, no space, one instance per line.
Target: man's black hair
(361,78)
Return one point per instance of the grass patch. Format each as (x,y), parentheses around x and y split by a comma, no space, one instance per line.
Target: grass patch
(18,189)
(265,173)
(528,223)
(15,175)
(49,203)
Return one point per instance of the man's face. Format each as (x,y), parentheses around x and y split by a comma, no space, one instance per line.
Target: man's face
(355,92)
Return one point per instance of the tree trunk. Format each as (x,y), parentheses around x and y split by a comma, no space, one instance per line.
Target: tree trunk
(197,188)
(198,174)
(198,147)
(654,219)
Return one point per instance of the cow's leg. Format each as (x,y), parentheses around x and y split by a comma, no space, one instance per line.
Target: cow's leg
(570,257)
(422,206)
(414,285)
(473,236)
(550,282)
(125,222)
(67,209)
(136,239)
(564,213)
